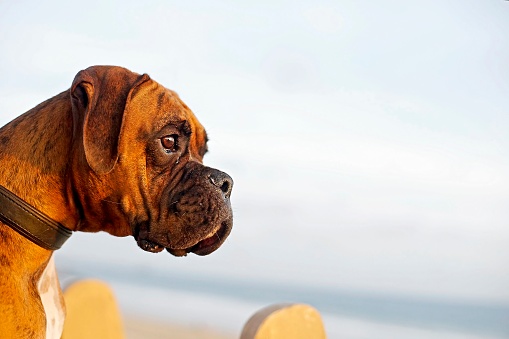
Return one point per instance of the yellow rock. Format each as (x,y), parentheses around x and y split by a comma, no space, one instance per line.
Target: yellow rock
(92,312)
(290,321)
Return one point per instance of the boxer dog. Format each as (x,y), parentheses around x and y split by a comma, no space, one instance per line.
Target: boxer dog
(117,152)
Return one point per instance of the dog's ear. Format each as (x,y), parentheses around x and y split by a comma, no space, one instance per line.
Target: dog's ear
(99,96)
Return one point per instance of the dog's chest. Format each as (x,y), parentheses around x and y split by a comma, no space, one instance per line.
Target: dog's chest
(49,291)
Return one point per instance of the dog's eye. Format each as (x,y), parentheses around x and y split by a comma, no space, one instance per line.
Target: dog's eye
(170,143)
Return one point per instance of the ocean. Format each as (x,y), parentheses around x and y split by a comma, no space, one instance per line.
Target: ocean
(226,304)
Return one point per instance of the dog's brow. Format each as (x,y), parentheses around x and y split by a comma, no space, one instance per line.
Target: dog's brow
(186,128)
(182,126)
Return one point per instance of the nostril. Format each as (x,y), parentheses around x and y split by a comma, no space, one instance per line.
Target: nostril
(225,187)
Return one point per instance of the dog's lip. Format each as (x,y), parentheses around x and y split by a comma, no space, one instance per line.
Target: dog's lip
(140,235)
(149,246)
(212,243)
(207,245)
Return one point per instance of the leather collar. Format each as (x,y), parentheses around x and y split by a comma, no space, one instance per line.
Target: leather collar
(31,223)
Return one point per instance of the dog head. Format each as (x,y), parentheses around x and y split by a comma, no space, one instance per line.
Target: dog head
(138,165)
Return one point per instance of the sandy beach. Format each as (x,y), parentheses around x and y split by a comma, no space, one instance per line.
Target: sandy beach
(144,328)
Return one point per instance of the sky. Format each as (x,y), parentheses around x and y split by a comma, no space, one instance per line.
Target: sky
(367,141)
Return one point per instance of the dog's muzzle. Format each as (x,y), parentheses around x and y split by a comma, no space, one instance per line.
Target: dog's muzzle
(200,215)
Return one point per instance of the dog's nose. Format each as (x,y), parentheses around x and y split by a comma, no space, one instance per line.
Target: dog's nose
(221,180)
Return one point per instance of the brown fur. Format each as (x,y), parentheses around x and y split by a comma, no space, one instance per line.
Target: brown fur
(91,159)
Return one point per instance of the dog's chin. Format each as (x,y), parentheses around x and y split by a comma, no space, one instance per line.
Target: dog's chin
(202,247)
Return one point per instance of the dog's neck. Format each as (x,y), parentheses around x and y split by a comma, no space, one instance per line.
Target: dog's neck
(35,165)
(35,162)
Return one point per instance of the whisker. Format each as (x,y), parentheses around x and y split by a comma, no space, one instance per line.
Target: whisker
(112,202)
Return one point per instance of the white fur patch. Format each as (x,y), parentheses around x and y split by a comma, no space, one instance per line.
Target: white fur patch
(50,296)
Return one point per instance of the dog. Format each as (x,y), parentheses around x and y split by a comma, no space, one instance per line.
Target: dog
(117,152)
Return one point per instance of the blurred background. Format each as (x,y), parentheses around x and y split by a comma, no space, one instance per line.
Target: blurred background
(367,140)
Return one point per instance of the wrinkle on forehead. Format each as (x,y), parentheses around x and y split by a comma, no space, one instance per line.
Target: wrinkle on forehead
(164,107)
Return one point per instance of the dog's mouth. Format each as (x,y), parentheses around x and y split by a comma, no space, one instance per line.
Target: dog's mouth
(207,245)
(202,247)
